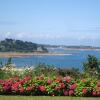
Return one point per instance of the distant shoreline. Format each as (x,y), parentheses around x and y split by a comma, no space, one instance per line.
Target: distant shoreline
(82,49)
(19,54)
(24,54)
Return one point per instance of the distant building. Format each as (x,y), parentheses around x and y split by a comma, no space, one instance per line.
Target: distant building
(39,49)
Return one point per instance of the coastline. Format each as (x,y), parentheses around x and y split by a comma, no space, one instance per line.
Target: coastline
(19,54)
(24,54)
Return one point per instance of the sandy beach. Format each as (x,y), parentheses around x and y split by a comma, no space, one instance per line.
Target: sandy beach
(18,54)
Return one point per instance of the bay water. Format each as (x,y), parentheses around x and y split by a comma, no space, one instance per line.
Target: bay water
(75,58)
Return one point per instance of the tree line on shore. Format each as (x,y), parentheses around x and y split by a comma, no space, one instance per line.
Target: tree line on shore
(11,45)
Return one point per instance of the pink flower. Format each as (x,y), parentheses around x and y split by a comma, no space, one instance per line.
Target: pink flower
(29,88)
(73,86)
(7,88)
(42,88)
(49,81)
(22,82)
(84,91)
(10,82)
(1,82)
(59,79)
(98,83)
(62,85)
(65,93)
(94,93)
(71,92)
(15,89)
(67,79)
(15,86)
(57,88)
(21,90)
(27,78)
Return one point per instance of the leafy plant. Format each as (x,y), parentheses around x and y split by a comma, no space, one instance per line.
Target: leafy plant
(92,66)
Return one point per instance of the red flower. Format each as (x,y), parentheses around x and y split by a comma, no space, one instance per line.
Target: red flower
(42,88)
(65,93)
(84,91)
(49,81)
(27,78)
(7,88)
(1,82)
(98,83)
(21,90)
(10,82)
(62,85)
(58,79)
(71,92)
(73,86)
(15,89)
(57,88)
(94,93)
(22,82)
(15,86)
(29,88)
(67,79)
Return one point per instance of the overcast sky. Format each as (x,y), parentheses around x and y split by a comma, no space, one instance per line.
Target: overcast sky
(69,22)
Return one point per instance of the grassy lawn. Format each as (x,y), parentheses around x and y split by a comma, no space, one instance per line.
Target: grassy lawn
(45,98)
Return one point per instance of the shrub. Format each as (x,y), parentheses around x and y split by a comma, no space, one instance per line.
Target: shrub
(92,67)
(55,86)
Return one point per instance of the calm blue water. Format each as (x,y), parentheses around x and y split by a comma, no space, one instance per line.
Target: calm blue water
(67,61)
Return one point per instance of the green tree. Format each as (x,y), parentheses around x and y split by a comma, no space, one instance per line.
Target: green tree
(1,64)
(92,66)
(9,63)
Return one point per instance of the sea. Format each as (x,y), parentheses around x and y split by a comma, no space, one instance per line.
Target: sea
(72,58)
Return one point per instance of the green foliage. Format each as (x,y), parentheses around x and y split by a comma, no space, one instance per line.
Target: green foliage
(5,74)
(50,86)
(91,69)
(10,45)
(73,72)
(91,66)
(2,74)
(47,70)
(9,63)
(1,64)
(83,84)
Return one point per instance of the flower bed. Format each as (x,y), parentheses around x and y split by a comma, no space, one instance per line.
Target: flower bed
(57,86)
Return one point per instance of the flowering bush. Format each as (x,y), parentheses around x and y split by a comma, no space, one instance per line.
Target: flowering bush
(86,87)
(56,86)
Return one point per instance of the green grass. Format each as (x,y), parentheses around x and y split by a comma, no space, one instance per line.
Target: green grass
(45,98)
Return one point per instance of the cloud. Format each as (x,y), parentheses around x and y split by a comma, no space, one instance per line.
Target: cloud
(47,38)
(30,36)
(24,35)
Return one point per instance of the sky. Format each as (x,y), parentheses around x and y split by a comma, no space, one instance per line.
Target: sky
(67,22)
